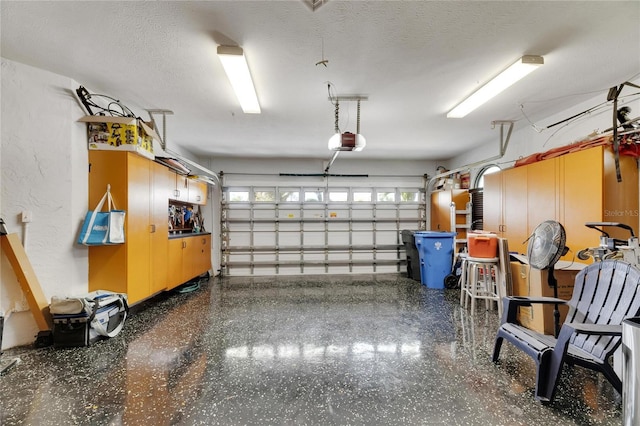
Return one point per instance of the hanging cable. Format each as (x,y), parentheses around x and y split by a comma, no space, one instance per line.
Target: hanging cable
(532,124)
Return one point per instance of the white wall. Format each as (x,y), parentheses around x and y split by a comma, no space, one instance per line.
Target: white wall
(267,171)
(43,161)
(526,140)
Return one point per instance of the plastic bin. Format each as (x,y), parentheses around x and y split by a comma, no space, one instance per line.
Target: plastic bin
(631,371)
(436,256)
(482,245)
(413,258)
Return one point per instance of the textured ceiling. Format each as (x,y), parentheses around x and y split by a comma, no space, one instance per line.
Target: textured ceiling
(414,60)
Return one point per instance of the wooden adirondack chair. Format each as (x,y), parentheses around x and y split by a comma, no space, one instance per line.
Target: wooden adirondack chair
(604,294)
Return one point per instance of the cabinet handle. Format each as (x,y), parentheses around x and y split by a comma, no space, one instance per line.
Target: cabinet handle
(198,198)
(184,244)
(177,193)
(153,228)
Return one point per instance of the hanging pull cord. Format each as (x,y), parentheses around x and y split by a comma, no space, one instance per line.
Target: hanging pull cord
(337,115)
(358,119)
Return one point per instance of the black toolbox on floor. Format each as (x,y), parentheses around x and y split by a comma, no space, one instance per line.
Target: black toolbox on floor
(72,330)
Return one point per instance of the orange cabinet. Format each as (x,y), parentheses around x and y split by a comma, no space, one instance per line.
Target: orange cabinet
(445,203)
(180,188)
(187,190)
(440,211)
(543,195)
(441,208)
(160,188)
(505,206)
(197,192)
(197,255)
(573,189)
(190,257)
(592,193)
(146,263)
(124,268)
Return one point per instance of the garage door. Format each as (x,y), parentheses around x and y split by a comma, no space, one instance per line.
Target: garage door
(269,230)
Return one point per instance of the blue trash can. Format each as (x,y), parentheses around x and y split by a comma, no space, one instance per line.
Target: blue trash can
(436,256)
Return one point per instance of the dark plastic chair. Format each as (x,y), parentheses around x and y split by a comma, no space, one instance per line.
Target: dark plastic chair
(604,294)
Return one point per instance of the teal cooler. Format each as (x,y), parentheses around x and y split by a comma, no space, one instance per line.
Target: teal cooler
(436,256)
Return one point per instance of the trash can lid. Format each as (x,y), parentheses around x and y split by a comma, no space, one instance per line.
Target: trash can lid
(434,234)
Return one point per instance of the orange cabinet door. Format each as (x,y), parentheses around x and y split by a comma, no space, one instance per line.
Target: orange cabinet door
(175,274)
(582,197)
(138,228)
(542,194)
(204,254)
(159,236)
(592,193)
(515,208)
(122,268)
(197,256)
(180,190)
(197,192)
(108,264)
(440,212)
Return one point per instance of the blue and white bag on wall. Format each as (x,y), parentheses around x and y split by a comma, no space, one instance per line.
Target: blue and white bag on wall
(103,228)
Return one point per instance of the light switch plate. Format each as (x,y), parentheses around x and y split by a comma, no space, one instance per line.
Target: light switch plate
(26,216)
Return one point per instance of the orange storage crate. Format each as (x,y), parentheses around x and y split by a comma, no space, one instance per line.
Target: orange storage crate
(482,245)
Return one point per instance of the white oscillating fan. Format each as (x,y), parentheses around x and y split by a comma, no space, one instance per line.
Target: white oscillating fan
(546,246)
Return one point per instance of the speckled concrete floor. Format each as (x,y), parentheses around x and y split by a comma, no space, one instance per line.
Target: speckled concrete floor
(361,350)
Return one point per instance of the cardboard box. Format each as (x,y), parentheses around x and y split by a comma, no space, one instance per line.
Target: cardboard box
(120,134)
(528,281)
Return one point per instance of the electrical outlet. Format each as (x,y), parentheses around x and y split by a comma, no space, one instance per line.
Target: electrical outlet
(26,216)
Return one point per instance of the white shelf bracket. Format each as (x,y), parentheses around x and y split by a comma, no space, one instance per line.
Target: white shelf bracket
(164,113)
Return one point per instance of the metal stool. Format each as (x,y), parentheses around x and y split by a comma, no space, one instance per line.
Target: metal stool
(481,280)
(463,280)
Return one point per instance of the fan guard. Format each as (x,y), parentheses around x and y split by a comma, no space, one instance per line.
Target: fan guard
(546,244)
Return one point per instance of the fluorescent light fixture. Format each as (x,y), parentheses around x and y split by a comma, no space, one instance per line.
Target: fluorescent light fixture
(506,78)
(235,65)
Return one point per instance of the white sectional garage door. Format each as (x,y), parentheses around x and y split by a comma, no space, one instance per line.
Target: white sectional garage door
(287,229)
